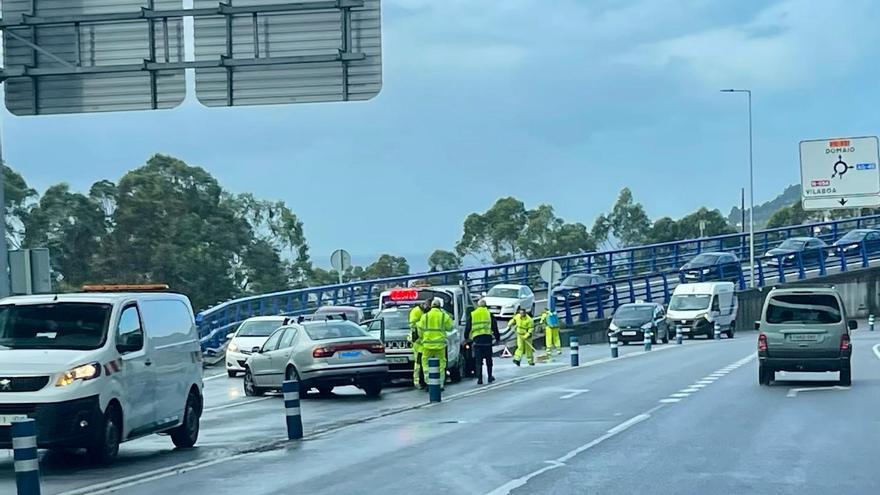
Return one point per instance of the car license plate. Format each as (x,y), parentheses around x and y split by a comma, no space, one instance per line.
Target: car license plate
(629,333)
(398,359)
(685,330)
(7,419)
(803,337)
(350,354)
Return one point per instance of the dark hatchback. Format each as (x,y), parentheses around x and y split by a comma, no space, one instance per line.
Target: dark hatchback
(595,288)
(706,267)
(810,250)
(631,320)
(851,243)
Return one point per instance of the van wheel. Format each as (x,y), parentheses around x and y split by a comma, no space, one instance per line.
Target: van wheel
(291,375)
(765,375)
(187,434)
(846,377)
(250,389)
(105,446)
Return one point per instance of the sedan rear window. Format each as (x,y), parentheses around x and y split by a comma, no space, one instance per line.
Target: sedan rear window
(327,331)
(805,309)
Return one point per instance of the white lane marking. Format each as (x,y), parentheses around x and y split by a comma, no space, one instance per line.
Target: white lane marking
(237,404)
(698,385)
(214,377)
(680,395)
(146,477)
(690,390)
(559,462)
(669,401)
(794,391)
(573,393)
(877,351)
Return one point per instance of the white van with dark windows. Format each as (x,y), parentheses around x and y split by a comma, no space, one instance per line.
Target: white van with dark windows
(696,308)
(98,368)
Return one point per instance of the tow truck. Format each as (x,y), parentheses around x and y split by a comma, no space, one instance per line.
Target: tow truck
(391,325)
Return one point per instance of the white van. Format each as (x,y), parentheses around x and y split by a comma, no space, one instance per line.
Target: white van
(696,308)
(98,368)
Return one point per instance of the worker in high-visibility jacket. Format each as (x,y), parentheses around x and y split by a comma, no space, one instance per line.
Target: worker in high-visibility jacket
(415,315)
(550,321)
(433,327)
(480,330)
(522,323)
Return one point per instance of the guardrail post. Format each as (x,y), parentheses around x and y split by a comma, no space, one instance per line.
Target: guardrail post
(678,334)
(613,340)
(802,274)
(648,295)
(871,322)
(567,304)
(573,343)
(842,260)
(27,465)
(822,254)
(716,334)
(647,340)
(864,249)
(434,380)
(290,389)
(665,289)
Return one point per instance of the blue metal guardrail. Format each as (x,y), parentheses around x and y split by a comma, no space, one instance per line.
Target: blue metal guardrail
(641,273)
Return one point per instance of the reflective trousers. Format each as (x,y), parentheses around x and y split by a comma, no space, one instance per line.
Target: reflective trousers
(524,346)
(418,377)
(434,353)
(551,340)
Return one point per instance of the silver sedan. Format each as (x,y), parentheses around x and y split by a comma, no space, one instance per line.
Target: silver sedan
(318,354)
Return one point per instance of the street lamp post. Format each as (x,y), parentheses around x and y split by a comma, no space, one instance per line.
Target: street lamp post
(751,189)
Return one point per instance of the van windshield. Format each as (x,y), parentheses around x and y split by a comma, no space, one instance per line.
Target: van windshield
(804,309)
(689,302)
(75,326)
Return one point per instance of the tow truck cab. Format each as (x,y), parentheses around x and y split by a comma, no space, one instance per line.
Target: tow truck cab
(392,325)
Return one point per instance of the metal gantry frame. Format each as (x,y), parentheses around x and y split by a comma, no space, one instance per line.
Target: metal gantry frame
(153,65)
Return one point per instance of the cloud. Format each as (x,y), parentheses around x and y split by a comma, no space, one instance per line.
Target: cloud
(789,45)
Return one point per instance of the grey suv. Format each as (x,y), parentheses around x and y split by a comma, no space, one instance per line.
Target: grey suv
(804,329)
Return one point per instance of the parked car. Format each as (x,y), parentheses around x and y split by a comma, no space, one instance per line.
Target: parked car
(697,308)
(631,320)
(804,329)
(504,299)
(711,266)
(252,333)
(850,244)
(318,354)
(595,285)
(351,313)
(810,249)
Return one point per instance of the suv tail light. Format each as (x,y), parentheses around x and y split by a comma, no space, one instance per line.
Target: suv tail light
(322,352)
(845,344)
(762,342)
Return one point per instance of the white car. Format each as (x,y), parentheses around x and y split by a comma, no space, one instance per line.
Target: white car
(251,334)
(504,299)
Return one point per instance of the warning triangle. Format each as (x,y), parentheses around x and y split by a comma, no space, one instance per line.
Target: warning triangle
(506,353)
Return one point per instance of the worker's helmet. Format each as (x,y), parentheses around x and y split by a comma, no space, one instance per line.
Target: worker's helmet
(481,303)
(437,303)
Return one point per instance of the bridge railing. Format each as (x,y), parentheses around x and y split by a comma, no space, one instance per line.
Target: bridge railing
(657,263)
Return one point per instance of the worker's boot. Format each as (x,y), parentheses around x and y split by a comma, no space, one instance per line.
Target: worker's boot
(480,379)
(491,378)
(516,362)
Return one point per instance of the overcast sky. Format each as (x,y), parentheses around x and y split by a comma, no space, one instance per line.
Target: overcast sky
(552,101)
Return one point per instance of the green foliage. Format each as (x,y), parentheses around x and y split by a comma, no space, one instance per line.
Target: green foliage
(387,266)
(17,196)
(441,260)
(790,215)
(508,232)
(626,225)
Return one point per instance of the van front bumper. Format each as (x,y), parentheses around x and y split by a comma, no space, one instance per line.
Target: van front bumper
(68,424)
(805,364)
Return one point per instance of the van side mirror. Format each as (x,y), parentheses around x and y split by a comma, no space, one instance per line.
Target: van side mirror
(230,335)
(757,325)
(853,324)
(130,342)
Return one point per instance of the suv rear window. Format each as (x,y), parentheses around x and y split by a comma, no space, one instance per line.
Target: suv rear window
(334,331)
(807,309)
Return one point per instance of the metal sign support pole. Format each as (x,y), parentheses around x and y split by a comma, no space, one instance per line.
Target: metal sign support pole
(4,254)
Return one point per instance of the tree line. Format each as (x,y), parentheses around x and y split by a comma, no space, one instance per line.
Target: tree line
(169,222)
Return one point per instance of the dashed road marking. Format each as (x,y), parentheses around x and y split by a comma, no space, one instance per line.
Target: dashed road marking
(704,382)
(573,393)
(876,349)
(794,391)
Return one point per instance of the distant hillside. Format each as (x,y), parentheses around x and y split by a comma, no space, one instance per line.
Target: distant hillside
(764,211)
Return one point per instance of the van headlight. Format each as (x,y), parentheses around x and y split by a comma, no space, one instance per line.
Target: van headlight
(613,327)
(647,326)
(84,372)
(233,347)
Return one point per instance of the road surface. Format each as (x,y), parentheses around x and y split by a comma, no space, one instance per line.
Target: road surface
(680,419)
